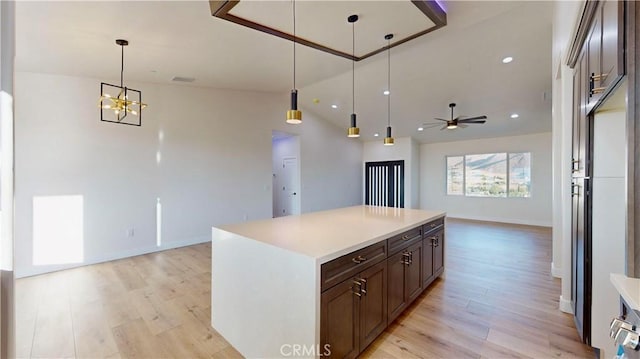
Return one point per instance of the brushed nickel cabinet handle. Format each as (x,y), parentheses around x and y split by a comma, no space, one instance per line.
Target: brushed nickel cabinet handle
(406,236)
(363,288)
(355,260)
(405,258)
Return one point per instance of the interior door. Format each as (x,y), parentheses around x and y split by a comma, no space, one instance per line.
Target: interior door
(289,187)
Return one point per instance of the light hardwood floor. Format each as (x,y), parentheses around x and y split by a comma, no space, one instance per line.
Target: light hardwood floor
(498,300)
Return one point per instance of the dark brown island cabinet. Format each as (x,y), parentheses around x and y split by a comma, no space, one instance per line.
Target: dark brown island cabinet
(365,291)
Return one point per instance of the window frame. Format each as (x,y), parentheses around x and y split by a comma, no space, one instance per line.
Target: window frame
(507,178)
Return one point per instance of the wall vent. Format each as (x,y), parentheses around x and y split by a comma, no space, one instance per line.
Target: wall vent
(182,79)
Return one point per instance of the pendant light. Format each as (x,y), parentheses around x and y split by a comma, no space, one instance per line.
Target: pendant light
(388,141)
(127,102)
(294,116)
(354,131)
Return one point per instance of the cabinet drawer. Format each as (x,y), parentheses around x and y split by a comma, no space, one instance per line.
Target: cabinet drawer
(433,226)
(403,239)
(339,269)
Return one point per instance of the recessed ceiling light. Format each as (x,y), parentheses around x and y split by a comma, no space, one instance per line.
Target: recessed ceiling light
(507,60)
(420,129)
(386,92)
(376,134)
(514,115)
(334,106)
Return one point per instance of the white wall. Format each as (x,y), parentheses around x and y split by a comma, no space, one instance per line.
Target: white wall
(534,211)
(205,153)
(404,149)
(608,222)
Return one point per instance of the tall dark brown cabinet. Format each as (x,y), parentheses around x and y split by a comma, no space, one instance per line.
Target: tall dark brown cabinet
(598,58)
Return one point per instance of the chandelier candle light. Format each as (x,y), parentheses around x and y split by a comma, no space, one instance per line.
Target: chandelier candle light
(294,116)
(354,131)
(127,102)
(388,141)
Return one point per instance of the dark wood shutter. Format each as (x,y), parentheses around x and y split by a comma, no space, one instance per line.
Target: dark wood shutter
(384,184)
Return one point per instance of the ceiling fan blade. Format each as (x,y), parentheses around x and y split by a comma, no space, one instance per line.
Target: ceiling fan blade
(483,117)
(440,119)
(462,126)
(474,121)
(430,125)
(443,127)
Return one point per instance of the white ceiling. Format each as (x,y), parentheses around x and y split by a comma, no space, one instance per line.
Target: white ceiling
(459,63)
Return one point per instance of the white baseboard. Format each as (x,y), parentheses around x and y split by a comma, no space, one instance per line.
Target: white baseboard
(36,270)
(504,220)
(566,305)
(556,272)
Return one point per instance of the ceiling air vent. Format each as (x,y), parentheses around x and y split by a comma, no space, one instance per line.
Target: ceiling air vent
(182,79)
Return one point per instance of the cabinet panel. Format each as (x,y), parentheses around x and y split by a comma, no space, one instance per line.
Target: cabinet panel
(373,304)
(413,272)
(402,240)
(348,265)
(340,320)
(438,253)
(594,62)
(396,301)
(433,226)
(612,42)
(427,260)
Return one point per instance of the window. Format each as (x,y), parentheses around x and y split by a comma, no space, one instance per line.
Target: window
(455,175)
(490,175)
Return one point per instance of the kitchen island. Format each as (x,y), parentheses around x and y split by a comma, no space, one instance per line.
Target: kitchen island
(297,285)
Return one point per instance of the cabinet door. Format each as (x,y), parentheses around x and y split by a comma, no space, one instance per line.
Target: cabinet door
(438,253)
(612,42)
(373,303)
(427,259)
(396,300)
(594,63)
(578,95)
(412,272)
(340,321)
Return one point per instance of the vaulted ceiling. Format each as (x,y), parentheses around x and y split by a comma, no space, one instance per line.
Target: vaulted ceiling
(460,62)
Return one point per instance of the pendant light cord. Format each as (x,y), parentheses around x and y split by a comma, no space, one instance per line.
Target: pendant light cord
(353,67)
(389,82)
(294,44)
(121,65)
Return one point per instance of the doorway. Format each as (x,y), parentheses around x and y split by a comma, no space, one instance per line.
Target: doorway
(286,174)
(384,184)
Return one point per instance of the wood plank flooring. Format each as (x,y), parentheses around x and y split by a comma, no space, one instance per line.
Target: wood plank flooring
(498,300)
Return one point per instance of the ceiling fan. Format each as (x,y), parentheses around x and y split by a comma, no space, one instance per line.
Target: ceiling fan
(454,123)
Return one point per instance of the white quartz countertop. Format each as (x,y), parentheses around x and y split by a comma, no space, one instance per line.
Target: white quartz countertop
(629,289)
(327,235)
